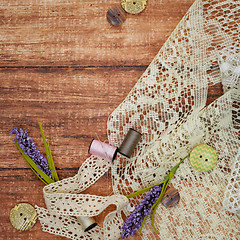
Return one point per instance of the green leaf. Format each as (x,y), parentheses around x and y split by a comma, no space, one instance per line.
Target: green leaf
(142,191)
(40,174)
(155,206)
(52,166)
(175,168)
(49,156)
(164,188)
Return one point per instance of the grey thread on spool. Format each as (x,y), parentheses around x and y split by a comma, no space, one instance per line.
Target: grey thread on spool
(129,143)
(87,223)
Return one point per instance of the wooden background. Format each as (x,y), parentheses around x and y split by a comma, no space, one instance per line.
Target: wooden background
(62,64)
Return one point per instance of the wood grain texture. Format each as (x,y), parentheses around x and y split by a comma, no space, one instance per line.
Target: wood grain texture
(71,32)
(63,64)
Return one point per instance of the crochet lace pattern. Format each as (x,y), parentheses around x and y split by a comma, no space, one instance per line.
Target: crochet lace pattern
(168,106)
(229,62)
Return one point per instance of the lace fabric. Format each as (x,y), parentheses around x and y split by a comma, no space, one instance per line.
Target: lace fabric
(229,62)
(199,214)
(167,105)
(65,203)
(231,200)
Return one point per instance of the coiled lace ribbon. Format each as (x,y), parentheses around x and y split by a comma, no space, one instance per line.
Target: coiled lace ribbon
(65,203)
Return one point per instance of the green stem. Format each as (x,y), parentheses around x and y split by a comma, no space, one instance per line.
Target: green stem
(164,188)
(140,230)
(49,156)
(169,177)
(174,169)
(142,191)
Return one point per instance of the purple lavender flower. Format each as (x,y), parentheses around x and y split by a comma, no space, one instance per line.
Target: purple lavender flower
(29,148)
(144,208)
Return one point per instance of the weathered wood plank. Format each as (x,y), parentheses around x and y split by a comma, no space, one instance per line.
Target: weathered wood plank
(60,32)
(73,106)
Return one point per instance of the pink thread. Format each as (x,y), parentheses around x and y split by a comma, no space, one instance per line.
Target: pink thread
(103,150)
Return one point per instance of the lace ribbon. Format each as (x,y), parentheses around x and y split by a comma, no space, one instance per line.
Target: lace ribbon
(65,203)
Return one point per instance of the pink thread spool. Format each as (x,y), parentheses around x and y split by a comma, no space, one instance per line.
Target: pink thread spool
(103,150)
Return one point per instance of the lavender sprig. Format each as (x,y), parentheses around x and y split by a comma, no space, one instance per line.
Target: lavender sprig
(42,167)
(148,205)
(138,216)
(29,148)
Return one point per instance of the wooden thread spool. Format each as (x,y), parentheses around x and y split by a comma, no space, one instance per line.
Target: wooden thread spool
(87,223)
(103,150)
(129,143)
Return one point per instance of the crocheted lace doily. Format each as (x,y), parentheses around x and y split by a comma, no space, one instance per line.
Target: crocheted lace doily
(167,107)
